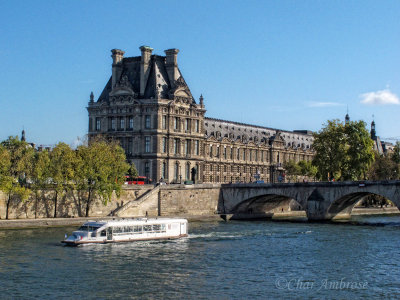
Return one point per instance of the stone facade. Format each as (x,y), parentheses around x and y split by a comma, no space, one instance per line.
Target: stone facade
(149,108)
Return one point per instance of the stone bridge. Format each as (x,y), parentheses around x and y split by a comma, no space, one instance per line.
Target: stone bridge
(320,200)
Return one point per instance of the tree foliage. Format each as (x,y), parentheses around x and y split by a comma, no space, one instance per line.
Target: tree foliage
(16,174)
(101,170)
(359,148)
(62,169)
(40,174)
(384,168)
(5,163)
(94,170)
(396,153)
(343,152)
(307,168)
(302,168)
(133,172)
(292,169)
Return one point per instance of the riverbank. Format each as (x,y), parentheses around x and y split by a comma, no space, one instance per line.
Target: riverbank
(361,211)
(286,216)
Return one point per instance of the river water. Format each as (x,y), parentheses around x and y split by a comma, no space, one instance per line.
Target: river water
(219,260)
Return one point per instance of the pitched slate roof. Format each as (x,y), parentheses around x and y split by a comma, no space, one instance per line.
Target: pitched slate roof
(157,85)
(246,132)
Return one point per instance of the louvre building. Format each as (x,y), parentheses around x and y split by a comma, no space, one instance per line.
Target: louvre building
(148,107)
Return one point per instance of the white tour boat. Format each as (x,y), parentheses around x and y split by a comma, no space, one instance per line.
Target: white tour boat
(128,230)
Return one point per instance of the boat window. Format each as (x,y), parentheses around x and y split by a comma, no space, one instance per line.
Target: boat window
(163,227)
(117,230)
(147,228)
(137,229)
(103,233)
(88,228)
(157,227)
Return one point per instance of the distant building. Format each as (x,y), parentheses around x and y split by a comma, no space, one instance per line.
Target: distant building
(148,107)
(39,148)
(382,147)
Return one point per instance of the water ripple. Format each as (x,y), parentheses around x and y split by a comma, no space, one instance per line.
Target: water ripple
(218,260)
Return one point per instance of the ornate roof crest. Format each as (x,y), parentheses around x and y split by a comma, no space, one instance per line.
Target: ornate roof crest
(180,82)
(124,82)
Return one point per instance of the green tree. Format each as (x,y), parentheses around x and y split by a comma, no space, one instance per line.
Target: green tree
(133,172)
(330,146)
(343,152)
(360,152)
(62,169)
(5,162)
(16,176)
(40,174)
(396,153)
(307,168)
(292,169)
(101,170)
(383,168)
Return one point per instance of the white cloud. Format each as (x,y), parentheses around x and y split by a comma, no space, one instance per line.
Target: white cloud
(324,104)
(383,97)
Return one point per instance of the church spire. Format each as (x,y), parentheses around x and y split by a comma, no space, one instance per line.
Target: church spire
(373,132)
(347,118)
(23,135)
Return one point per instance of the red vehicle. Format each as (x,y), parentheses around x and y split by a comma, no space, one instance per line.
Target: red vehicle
(135,180)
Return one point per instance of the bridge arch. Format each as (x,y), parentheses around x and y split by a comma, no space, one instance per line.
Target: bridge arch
(265,203)
(345,203)
(320,200)
(259,203)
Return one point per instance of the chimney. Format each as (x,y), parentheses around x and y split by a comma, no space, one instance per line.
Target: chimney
(144,67)
(117,56)
(172,65)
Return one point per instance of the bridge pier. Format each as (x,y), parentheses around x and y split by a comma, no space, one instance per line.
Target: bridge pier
(317,207)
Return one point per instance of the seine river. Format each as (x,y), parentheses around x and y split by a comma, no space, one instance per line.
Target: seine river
(232,260)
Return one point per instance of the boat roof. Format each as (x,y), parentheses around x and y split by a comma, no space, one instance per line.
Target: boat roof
(136,221)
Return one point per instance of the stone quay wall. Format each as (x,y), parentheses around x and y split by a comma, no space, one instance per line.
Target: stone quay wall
(67,204)
(198,199)
(170,200)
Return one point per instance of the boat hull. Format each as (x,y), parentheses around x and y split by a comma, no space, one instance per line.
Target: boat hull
(82,242)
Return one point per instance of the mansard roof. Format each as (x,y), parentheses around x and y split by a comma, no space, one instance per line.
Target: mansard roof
(257,134)
(157,84)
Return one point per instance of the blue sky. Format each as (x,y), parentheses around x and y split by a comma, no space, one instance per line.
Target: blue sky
(282,64)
